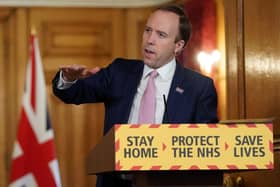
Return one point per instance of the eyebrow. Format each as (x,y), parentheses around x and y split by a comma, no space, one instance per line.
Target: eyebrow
(158,31)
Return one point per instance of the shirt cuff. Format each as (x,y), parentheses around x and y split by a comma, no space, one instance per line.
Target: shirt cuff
(63,84)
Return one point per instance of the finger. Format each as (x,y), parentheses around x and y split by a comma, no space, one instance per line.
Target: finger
(94,70)
(63,68)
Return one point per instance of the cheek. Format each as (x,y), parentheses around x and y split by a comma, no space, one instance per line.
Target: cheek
(168,48)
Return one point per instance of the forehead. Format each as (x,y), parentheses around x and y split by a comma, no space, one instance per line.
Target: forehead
(164,21)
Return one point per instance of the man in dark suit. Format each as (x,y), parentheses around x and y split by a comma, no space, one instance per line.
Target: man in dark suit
(180,95)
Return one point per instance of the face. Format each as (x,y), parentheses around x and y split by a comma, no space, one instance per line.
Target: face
(158,45)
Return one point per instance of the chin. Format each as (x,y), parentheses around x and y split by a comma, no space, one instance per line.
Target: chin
(150,63)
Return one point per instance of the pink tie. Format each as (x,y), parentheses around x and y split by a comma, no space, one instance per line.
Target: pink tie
(148,102)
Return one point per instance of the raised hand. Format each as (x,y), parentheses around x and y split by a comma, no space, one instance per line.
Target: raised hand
(74,72)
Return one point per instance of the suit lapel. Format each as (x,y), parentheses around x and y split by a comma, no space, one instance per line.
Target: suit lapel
(175,96)
(133,82)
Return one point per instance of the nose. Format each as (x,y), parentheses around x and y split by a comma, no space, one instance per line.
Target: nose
(151,38)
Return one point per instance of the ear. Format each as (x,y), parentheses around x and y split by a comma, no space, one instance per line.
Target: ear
(179,46)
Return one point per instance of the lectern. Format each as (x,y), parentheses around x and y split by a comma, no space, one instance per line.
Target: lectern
(181,155)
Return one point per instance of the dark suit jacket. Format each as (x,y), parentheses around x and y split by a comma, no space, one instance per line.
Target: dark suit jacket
(192,97)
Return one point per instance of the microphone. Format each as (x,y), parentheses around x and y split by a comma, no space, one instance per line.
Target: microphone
(165,109)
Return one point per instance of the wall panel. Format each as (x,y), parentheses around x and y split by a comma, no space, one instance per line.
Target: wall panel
(253,51)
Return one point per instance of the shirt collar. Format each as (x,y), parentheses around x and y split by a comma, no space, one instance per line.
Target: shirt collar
(166,71)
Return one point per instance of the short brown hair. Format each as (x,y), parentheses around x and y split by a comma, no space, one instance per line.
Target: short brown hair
(184,23)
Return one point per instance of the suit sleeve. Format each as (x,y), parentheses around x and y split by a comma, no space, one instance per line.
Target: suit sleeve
(89,90)
(207,104)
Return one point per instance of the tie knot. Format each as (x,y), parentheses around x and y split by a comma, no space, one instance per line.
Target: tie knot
(153,74)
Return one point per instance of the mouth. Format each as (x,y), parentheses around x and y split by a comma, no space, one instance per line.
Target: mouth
(149,51)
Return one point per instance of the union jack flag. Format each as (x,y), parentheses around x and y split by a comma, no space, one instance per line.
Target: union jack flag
(34,162)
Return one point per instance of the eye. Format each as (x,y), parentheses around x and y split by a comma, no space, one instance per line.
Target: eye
(162,34)
(147,29)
